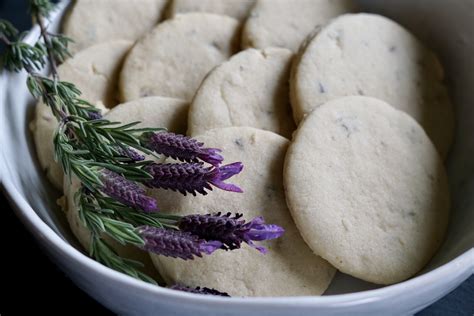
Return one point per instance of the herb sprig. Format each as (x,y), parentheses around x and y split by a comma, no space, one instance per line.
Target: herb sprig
(84,142)
(108,160)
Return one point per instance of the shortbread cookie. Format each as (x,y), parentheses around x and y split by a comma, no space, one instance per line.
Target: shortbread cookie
(90,22)
(289,267)
(94,71)
(283,23)
(173,59)
(367,189)
(153,112)
(251,89)
(238,9)
(365,54)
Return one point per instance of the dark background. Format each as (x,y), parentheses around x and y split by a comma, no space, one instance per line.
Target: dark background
(30,282)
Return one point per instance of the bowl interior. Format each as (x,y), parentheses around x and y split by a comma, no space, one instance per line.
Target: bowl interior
(441,25)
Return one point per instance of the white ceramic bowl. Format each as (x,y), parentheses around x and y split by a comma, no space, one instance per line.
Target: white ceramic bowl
(446,26)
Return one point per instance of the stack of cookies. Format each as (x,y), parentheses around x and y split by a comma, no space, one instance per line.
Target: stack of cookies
(341,119)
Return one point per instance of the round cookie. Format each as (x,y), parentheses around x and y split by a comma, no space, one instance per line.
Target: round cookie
(173,59)
(89,22)
(289,267)
(366,54)
(153,112)
(283,23)
(94,71)
(251,89)
(238,9)
(367,189)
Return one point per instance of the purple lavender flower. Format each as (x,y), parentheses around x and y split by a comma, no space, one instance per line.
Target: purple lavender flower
(181,147)
(94,115)
(126,191)
(231,231)
(130,153)
(192,177)
(198,290)
(175,243)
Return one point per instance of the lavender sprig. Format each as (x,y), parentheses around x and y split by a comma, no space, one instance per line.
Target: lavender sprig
(84,142)
(175,243)
(192,177)
(198,290)
(232,231)
(181,147)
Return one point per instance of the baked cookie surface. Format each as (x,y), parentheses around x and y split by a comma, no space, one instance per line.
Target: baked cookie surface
(157,112)
(284,23)
(289,267)
(173,59)
(367,189)
(238,9)
(251,89)
(90,22)
(366,54)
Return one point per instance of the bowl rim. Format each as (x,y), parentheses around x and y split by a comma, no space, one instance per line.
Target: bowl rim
(460,267)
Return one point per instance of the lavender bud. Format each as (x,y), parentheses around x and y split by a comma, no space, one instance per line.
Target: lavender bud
(230,230)
(175,243)
(199,290)
(192,177)
(126,191)
(94,115)
(181,147)
(130,153)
